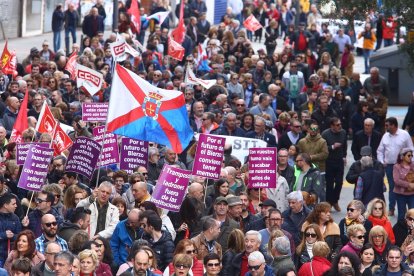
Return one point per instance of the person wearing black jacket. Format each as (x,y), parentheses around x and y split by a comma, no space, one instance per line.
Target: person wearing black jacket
(57,26)
(271,35)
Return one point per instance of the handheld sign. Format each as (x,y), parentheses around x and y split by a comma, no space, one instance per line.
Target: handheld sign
(262,167)
(23,150)
(171,187)
(110,151)
(134,153)
(83,157)
(35,168)
(209,156)
(94,112)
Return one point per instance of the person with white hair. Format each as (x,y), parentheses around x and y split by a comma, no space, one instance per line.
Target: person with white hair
(295,215)
(257,265)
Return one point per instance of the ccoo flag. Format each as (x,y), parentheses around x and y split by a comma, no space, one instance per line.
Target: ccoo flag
(142,111)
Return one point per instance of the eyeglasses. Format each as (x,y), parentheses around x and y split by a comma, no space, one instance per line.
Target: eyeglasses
(49,224)
(181,266)
(254,267)
(409,155)
(378,236)
(240,104)
(378,209)
(312,235)
(410,219)
(338,124)
(213,264)
(360,237)
(298,160)
(191,251)
(57,196)
(350,210)
(39,200)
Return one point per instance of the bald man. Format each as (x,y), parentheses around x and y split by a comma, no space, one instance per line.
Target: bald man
(196,190)
(47,267)
(125,233)
(49,234)
(140,193)
(10,114)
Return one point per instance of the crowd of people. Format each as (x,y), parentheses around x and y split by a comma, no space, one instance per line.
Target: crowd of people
(302,97)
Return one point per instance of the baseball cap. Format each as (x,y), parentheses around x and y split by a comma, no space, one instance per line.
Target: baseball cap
(366,151)
(268,202)
(221,199)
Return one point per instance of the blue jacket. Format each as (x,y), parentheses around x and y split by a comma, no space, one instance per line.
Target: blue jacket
(268,271)
(121,242)
(9,221)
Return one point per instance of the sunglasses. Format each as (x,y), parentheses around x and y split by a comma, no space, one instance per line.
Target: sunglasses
(181,266)
(410,219)
(314,128)
(378,209)
(49,224)
(409,155)
(360,237)
(378,237)
(350,210)
(191,251)
(39,200)
(240,104)
(310,235)
(254,267)
(213,264)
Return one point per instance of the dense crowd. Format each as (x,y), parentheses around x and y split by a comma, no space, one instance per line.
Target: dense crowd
(302,97)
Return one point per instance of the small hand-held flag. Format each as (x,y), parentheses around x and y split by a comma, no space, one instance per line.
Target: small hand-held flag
(135,15)
(20,124)
(179,32)
(71,65)
(252,24)
(175,50)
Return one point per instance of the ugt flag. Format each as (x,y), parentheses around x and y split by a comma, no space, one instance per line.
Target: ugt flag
(252,24)
(142,111)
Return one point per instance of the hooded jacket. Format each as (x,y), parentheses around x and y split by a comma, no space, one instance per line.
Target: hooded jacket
(312,182)
(9,221)
(163,248)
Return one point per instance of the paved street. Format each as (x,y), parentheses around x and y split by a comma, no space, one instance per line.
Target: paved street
(22,47)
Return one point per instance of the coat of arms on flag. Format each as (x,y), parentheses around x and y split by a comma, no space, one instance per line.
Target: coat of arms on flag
(142,111)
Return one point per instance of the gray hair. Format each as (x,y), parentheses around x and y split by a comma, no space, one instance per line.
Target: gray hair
(282,245)
(254,233)
(65,255)
(256,256)
(369,121)
(152,151)
(366,162)
(295,195)
(106,184)
(230,114)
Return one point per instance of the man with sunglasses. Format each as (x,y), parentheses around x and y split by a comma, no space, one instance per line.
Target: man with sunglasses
(257,265)
(49,234)
(33,221)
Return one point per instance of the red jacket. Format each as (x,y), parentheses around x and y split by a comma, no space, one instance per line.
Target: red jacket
(319,266)
(388,28)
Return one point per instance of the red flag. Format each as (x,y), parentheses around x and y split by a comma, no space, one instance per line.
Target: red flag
(61,141)
(46,122)
(252,24)
(135,15)
(175,50)
(179,33)
(8,60)
(20,124)
(71,65)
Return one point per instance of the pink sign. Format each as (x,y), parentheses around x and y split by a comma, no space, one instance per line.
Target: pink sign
(170,189)
(109,153)
(209,156)
(262,167)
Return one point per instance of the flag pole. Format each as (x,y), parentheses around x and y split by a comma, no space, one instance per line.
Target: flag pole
(100,154)
(30,203)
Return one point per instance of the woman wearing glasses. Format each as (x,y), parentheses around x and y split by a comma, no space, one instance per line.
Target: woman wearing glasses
(354,212)
(378,237)
(185,247)
(304,252)
(377,214)
(404,227)
(356,236)
(182,264)
(403,174)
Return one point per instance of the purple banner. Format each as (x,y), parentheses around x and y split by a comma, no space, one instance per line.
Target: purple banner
(110,151)
(209,156)
(134,153)
(262,167)
(171,187)
(23,149)
(94,112)
(35,168)
(83,157)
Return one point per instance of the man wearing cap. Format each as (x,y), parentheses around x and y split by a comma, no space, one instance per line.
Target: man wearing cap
(356,169)
(221,208)
(366,137)
(390,146)
(260,223)
(295,216)
(235,207)
(28,60)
